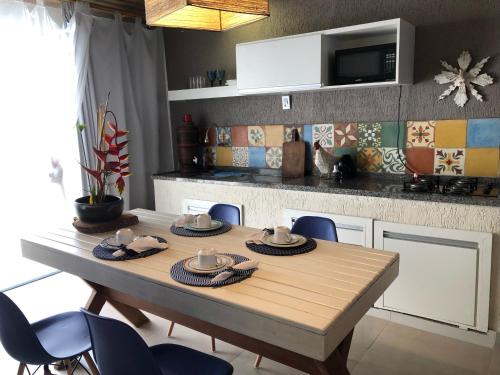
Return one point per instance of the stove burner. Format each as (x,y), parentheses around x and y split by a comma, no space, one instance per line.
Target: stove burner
(417,186)
(461,185)
(421,184)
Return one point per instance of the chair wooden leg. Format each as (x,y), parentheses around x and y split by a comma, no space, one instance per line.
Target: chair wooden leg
(257,361)
(20,370)
(69,368)
(213,344)
(172,324)
(90,363)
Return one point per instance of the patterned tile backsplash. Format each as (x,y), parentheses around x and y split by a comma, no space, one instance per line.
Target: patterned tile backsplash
(441,147)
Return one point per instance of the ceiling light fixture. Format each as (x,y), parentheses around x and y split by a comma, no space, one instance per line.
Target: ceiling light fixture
(213,15)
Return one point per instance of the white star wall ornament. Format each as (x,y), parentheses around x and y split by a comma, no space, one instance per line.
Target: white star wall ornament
(462,79)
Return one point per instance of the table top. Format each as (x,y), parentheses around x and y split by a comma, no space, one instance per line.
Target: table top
(320,295)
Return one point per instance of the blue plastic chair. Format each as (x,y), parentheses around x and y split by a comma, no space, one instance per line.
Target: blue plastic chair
(321,228)
(119,350)
(58,338)
(230,214)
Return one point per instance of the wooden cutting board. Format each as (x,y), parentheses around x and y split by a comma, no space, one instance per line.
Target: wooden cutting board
(294,154)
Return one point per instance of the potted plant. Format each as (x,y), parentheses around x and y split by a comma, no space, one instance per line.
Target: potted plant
(110,169)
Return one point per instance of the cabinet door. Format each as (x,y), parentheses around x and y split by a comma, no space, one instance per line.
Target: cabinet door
(435,281)
(443,275)
(282,63)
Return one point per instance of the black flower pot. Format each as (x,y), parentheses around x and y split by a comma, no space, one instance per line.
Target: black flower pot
(111,208)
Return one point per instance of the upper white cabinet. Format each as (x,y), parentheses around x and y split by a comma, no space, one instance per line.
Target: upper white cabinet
(444,274)
(306,61)
(280,64)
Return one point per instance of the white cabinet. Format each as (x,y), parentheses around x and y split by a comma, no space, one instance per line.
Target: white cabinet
(444,274)
(196,207)
(279,64)
(305,62)
(350,229)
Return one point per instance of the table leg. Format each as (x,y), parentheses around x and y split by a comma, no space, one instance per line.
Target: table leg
(336,364)
(97,301)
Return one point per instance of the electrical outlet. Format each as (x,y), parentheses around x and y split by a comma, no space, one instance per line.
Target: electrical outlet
(286,103)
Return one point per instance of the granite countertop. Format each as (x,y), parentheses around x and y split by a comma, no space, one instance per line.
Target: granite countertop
(363,185)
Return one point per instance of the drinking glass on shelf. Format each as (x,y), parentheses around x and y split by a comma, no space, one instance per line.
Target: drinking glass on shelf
(212,74)
(220,74)
(192,82)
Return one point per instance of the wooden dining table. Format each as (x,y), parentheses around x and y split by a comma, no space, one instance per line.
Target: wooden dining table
(299,310)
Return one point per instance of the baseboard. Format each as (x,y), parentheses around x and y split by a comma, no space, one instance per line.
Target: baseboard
(478,338)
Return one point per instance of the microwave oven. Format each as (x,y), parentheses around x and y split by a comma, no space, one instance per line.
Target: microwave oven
(365,64)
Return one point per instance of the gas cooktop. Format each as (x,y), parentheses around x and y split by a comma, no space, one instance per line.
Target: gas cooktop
(450,185)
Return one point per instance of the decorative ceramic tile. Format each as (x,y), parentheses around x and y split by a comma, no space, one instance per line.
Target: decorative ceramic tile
(420,133)
(370,159)
(420,160)
(239,136)
(393,160)
(390,134)
(274,157)
(450,133)
(324,134)
(224,136)
(345,135)
(256,136)
(209,157)
(483,133)
(212,136)
(240,156)
(369,134)
(274,135)
(257,157)
(288,130)
(482,162)
(351,151)
(449,161)
(224,156)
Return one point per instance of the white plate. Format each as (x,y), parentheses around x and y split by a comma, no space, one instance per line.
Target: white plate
(224,261)
(293,240)
(297,239)
(216,224)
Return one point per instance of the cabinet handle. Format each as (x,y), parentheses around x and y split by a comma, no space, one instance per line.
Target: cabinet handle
(431,240)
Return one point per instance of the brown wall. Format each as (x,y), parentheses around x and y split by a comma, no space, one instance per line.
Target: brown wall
(443,29)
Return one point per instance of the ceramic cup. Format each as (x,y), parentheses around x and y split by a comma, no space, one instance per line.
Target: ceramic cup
(124,236)
(282,235)
(203,221)
(207,258)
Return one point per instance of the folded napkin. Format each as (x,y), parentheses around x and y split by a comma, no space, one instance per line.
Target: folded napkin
(145,243)
(183,220)
(243,266)
(256,238)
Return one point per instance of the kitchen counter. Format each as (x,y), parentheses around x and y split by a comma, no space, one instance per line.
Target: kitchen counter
(371,186)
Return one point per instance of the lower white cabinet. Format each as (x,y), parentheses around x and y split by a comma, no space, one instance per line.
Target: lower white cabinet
(196,206)
(350,229)
(444,274)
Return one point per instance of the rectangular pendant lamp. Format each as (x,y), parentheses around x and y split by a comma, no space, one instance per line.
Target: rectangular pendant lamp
(212,15)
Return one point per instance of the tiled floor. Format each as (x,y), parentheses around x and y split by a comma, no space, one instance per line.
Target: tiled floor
(379,347)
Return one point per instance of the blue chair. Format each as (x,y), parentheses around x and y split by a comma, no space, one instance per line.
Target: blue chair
(119,350)
(58,338)
(230,214)
(321,228)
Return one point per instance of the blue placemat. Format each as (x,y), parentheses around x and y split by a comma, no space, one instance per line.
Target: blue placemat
(310,245)
(179,274)
(106,253)
(181,231)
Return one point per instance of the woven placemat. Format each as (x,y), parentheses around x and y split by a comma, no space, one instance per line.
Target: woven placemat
(179,274)
(107,253)
(181,231)
(310,245)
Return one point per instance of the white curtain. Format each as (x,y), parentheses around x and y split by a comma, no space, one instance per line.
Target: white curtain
(40,175)
(127,60)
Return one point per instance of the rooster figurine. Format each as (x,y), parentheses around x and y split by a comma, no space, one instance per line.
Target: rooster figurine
(324,161)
